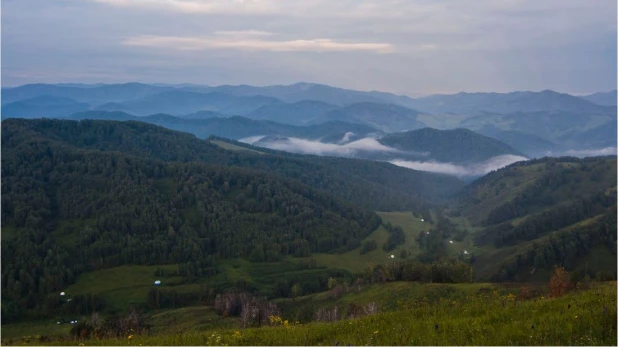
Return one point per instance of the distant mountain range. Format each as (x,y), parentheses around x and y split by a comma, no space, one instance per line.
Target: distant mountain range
(606,99)
(505,103)
(235,127)
(532,123)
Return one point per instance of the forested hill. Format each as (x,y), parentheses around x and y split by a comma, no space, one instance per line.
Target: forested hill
(457,145)
(376,185)
(67,210)
(536,214)
(531,186)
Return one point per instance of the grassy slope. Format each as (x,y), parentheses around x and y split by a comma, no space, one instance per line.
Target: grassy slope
(579,318)
(388,297)
(353,261)
(123,285)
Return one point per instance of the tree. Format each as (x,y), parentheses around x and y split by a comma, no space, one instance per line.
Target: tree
(560,282)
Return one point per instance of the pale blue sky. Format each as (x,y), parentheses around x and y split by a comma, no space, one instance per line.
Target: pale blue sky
(407,47)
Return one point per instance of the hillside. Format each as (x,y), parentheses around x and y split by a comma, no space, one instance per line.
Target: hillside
(380,186)
(457,146)
(309,91)
(298,113)
(107,209)
(384,117)
(178,102)
(529,144)
(504,103)
(603,98)
(500,316)
(93,95)
(531,215)
(42,106)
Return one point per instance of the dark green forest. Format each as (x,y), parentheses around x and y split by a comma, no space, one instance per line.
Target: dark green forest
(376,185)
(67,210)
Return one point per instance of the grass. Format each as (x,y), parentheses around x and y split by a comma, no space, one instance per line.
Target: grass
(42,328)
(390,296)
(355,262)
(196,318)
(579,318)
(123,285)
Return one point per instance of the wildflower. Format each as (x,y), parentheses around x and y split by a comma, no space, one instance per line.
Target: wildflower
(375,332)
(130,337)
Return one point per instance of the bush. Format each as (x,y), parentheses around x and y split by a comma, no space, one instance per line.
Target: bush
(560,283)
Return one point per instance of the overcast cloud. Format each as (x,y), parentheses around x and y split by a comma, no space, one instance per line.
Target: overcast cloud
(407,47)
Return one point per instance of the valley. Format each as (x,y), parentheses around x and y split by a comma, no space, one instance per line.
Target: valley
(178,226)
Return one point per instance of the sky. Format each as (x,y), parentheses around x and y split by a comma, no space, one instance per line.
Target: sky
(401,46)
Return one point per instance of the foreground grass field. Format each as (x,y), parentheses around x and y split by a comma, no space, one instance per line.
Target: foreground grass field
(579,318)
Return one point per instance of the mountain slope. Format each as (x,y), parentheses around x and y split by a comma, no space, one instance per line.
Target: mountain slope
(559,127)
(43,106)
(605,99)
(380,186)
(470,103)
(384,117)
(457,146)
(235,127)
(102,208)
(182,102)
(533,215)
(92,95)
(310,91)
(529,144)
(298,113)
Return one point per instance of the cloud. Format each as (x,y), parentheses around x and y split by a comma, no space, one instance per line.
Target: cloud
(252,44)
(296,8)
(198,6)
(371,148)
(242,33)
(592,152)
(447,46)
(346,137)
(297,145)
(477,169)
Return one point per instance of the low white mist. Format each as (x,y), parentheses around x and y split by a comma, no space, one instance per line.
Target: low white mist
(592,152)
(477,169)
(303,146)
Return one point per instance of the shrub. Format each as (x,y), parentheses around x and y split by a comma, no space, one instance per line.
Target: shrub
(560,283)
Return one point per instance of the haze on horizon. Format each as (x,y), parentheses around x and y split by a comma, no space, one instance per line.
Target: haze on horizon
(405,47)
